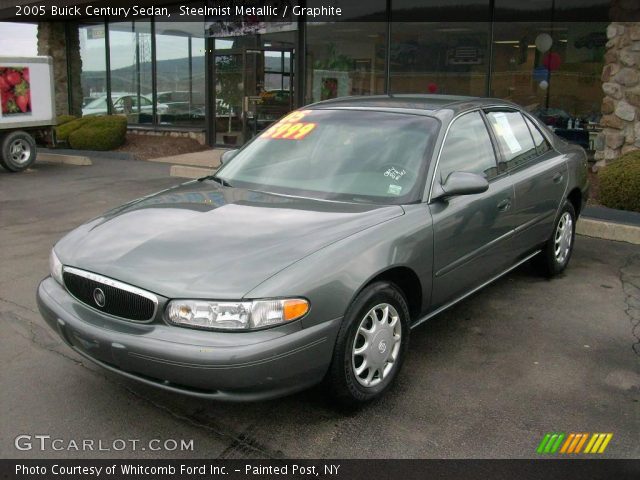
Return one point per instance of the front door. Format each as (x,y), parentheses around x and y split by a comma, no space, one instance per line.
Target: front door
(254,87)
(268,88)
(471,232)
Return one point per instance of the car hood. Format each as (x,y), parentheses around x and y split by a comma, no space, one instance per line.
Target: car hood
(202,240)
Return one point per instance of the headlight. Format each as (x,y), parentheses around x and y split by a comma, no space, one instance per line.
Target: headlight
(55,267)
(235,315)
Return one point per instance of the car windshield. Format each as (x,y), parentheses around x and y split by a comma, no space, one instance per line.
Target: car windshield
(345,155)
(98,102)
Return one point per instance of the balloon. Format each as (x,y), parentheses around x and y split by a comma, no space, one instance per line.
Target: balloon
(543,42)
(552,61)
(543,84)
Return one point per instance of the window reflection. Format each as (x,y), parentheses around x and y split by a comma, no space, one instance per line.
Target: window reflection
(130,58)
(345,59)
(445,57)
(93,76)
(180,53)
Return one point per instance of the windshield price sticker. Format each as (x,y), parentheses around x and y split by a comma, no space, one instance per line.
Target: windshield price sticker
(289,131)
(291,127)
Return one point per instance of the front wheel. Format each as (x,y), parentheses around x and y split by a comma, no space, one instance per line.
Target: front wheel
(371,345)
(18,151)
(556,253)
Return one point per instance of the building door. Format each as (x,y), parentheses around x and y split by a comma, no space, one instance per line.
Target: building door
(254,88)
(268,88)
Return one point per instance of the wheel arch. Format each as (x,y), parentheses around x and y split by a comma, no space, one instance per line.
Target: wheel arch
(407,280)
(575,197)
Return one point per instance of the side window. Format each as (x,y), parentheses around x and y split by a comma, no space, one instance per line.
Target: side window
(468,148)
(542,146)
(513,136)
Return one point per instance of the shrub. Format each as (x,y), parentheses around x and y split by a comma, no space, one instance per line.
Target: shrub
(62,119)
(99,133)
(620,183)
(63,131)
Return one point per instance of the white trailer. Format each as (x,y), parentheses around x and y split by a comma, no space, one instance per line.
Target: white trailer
(28,109)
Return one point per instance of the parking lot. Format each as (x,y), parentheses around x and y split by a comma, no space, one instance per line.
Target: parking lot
(486,379)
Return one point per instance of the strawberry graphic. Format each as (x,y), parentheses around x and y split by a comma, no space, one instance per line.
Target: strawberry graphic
(4,85)
(25,73)
(22,93)
(22,102)
(13,77)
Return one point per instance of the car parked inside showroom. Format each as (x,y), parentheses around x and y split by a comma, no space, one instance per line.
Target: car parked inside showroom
(312,253)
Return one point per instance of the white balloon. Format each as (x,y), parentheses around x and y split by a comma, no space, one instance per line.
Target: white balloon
(543,84)
(543,42)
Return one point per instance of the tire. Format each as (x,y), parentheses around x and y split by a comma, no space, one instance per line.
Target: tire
(388,345)
(557,251)
(18,151)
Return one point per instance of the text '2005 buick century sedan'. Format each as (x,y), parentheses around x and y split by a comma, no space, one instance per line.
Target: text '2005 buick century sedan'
(315,249)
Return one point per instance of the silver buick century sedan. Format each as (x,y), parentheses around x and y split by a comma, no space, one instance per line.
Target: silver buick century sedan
(315,249)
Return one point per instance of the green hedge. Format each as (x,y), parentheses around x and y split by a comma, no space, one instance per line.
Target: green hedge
(62,119)
(99,133)
(620,183)
(63,131)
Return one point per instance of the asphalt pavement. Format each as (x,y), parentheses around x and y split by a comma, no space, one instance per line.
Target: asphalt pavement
(486,379)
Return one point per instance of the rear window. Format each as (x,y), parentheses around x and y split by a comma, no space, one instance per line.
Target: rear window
(516,143)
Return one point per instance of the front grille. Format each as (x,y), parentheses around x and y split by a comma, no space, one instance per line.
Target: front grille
(110,296)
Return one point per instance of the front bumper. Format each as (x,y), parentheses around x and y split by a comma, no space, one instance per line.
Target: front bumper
(241,366)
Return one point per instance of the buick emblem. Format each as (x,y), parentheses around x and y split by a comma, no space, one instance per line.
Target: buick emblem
(98,297)
(382,346)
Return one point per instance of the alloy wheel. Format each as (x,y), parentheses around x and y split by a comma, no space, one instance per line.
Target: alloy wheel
(20,151)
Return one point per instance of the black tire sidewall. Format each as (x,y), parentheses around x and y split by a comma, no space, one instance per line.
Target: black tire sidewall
(5,158)
(343,379)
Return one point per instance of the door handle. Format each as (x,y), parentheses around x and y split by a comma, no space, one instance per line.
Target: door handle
(557,178)
(504,205)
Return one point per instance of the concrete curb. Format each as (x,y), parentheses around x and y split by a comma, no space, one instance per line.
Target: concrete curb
(63,159)
(186,171)
(608,230)
(110,154)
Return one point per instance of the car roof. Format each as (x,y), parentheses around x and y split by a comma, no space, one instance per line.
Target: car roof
(414,103)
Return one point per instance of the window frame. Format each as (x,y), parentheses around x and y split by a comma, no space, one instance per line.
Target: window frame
(496,151)
(528,121)
(503,160)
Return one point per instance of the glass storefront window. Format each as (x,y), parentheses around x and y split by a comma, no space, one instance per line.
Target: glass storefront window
(180,55)
(444,57)
(345,59)
(130,58)
(93,77)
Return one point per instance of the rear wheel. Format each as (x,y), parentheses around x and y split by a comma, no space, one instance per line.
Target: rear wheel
(371,345)
(18,151)
(556,253)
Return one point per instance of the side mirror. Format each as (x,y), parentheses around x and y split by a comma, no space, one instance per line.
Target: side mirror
(228,155)
(461,183)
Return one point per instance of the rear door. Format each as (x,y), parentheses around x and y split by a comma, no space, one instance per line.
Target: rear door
(470,231)
(539,176)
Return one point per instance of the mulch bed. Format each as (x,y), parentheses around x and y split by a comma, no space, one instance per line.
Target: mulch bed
(145,147)
(594,189)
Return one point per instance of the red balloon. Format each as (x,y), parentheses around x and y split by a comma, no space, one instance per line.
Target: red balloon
(432,87)
(552,61)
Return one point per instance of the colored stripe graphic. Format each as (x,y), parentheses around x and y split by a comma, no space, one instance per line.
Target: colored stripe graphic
(550,443)
(573,442)
(598,442)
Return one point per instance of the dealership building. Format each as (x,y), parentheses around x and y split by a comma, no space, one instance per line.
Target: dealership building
(573,63)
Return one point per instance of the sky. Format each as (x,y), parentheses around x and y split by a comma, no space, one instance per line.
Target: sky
(18,39)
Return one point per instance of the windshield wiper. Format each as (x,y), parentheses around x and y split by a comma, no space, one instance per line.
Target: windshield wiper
(220,180)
